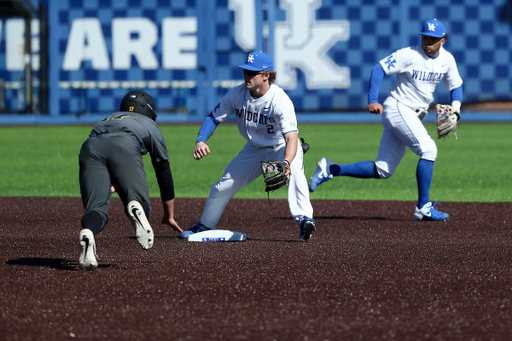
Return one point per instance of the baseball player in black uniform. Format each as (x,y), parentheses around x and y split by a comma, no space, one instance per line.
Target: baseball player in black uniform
(111,158)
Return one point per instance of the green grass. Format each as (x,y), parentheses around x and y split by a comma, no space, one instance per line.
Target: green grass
(43,161)
(40,161)
(474,168)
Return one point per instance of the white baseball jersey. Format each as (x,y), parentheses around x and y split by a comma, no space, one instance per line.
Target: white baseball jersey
(261,121)
(418,75)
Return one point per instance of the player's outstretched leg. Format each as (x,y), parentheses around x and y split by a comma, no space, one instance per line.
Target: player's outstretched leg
(143,230)
(322,174)
(429,213)
(87,259)
(199,227)
(306,227)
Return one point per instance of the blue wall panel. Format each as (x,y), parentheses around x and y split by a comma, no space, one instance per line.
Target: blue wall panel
(323,50)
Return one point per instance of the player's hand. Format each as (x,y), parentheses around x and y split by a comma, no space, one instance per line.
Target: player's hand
(172,223)
(375,108)
(287,171)
(201,150)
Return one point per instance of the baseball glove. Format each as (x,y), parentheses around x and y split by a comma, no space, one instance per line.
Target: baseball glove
(446,121)
(274,174)
(304,145)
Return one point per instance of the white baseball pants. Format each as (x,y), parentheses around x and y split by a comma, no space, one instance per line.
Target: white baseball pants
(402,129)
(244,169)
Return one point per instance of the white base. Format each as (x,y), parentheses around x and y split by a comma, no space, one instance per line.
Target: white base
(217,236)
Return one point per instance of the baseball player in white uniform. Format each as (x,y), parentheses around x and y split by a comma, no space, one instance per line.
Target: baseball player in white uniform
(265,116)
(419,69)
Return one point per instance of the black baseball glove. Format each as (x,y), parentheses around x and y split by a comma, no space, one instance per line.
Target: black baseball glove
(274,174)
(305,146)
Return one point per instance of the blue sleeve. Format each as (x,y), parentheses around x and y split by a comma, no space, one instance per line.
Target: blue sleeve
(207,129)
(376,78)
(456,94)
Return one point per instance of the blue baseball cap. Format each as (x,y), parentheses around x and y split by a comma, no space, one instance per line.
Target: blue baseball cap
(258,61)
(433,28)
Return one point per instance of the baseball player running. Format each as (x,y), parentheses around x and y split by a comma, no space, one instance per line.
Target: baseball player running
(266,119)
(419,69)
(112,155)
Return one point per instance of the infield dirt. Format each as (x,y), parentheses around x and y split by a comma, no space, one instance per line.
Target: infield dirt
(370,272)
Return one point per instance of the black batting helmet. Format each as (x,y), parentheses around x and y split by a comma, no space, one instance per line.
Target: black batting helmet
(139,102)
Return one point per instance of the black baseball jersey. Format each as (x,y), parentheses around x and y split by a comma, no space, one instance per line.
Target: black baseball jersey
(112,155)
(144,129)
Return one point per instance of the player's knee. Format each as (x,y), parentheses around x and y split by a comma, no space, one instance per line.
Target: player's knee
(380,173)
(429,153)
(216,190)
(223,185)
(385,175)
(376,174)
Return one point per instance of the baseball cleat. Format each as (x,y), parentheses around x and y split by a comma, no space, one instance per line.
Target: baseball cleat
(429,213)
(322,174)
(87,259)
(306,228)
(199,227)
(143,230)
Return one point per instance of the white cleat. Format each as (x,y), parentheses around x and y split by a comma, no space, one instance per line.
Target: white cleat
(322,174)
(87,259)
(429,213)
(143,230)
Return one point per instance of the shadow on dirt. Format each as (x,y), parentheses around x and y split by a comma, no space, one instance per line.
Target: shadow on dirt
(54,263)
(345,218)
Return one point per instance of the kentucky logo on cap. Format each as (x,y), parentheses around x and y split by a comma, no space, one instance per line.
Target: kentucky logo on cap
(258,61)
(433,28)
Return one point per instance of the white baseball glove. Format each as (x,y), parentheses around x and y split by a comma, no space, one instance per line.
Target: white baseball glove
(447,120)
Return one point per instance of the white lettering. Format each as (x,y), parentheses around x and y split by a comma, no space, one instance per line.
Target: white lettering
(302,42)
(14,30)
(15,44)
(134,37)
(179,43)
(245,23)
(86,42)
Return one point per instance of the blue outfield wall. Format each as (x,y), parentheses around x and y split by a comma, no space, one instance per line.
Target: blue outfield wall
(185,52)
(302,118)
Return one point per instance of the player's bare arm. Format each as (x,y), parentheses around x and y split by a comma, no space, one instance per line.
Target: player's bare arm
(375,108)
(201,150)
(292,141)
(168,217)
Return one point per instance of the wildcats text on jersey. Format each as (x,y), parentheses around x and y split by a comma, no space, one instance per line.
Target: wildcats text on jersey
(254,117)
(428,76)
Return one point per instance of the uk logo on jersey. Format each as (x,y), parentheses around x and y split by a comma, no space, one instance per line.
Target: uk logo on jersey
(390,62)
(215,109)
